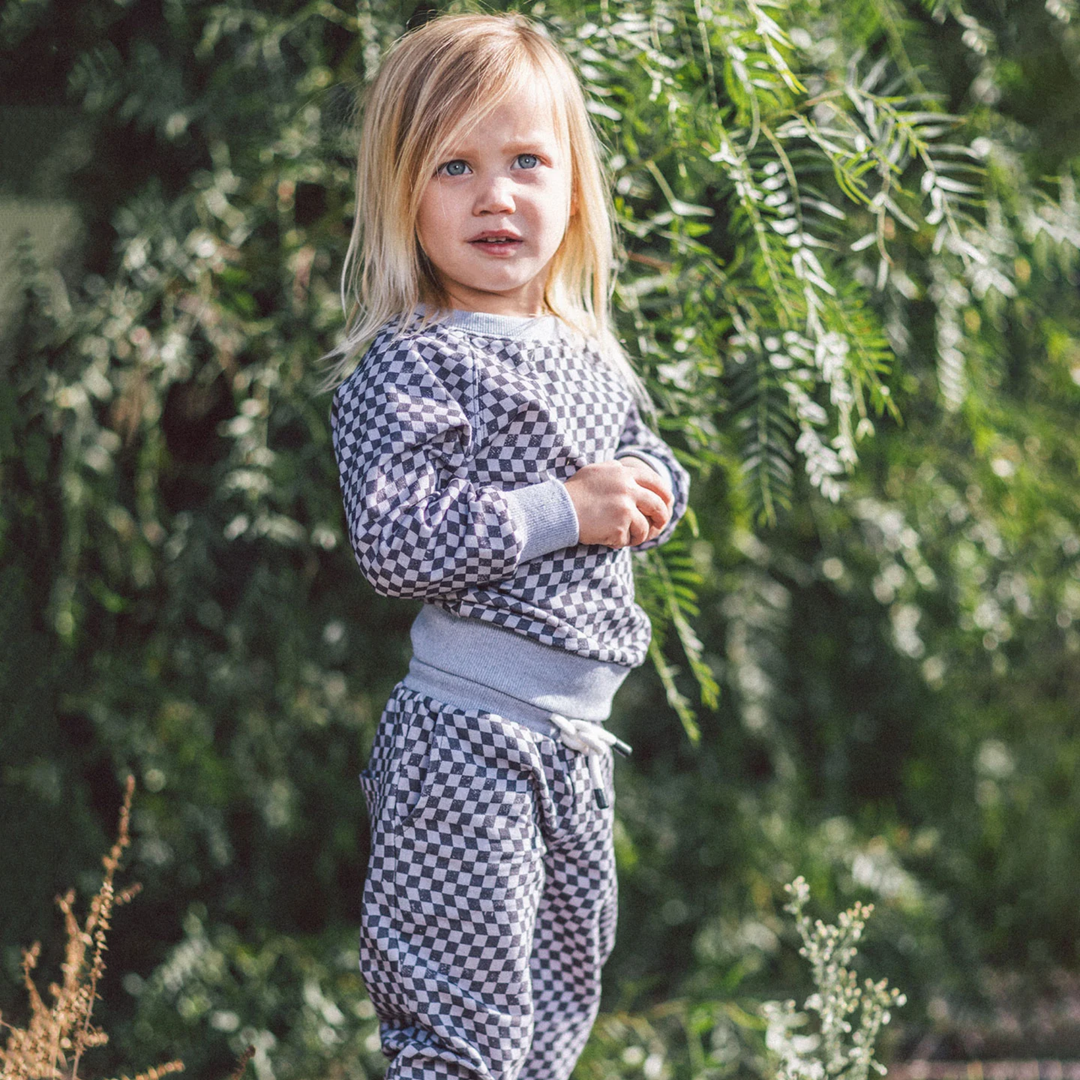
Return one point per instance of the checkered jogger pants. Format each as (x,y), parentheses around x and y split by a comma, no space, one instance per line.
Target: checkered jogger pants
(489,906)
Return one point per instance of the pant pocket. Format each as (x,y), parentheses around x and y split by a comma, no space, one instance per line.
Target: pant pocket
(469,851)
(397,774)
(371,786)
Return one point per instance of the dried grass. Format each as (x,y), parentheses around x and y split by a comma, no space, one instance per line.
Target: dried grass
(52,1044)
(242,1063)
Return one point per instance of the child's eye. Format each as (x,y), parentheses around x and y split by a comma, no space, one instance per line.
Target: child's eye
(527,161)
(453,168)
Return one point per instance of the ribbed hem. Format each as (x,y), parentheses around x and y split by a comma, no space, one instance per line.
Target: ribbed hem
(458,693)
(546,513)
(540,679)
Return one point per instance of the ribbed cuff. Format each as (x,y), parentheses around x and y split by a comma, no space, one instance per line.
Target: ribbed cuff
(546,514)
(654,463)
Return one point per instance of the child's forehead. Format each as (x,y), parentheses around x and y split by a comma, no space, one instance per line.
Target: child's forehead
(524,110)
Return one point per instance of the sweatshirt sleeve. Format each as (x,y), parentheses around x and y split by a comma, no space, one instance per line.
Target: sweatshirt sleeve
(640,441)
(418,526)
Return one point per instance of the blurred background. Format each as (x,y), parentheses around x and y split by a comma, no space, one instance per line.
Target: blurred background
(849,275)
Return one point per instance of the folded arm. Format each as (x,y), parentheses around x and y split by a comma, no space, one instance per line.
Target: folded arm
(418,525)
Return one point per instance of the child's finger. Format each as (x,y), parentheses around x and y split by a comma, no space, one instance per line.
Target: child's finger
(653,507)
(649,478)
(653,483)
(639,530)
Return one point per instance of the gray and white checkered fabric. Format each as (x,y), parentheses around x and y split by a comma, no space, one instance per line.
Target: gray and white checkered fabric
(489,906)
(431,430)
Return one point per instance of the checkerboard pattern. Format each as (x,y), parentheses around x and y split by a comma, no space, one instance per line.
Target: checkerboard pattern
(490,900)
(430,431)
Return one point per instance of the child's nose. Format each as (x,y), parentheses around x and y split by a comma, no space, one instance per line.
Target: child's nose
(496,196)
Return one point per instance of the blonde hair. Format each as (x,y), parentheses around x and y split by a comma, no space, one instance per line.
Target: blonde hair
(433,84)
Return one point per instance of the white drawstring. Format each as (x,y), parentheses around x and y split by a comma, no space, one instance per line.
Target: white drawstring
(592,740)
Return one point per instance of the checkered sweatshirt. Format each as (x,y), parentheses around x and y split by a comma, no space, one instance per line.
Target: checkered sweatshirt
(454,440)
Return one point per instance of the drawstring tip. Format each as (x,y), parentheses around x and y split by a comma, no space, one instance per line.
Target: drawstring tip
(621,747)
(601,799)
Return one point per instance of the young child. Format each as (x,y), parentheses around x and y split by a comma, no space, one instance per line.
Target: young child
(494,464)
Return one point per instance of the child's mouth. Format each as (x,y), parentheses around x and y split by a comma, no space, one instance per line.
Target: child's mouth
(497,243)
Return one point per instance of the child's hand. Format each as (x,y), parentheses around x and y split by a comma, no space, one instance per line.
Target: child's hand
(649,478)
(619,503)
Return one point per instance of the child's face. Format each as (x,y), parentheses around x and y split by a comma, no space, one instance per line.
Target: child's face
(495,212)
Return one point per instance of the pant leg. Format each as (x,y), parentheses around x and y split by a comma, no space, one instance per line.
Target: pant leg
(454,882)
(575,930)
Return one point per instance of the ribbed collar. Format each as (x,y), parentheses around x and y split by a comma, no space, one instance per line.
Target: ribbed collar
(544,328)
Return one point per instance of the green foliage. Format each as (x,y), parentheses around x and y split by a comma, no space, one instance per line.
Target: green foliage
(850,256)
(667,587)
(773,220)
(299,1002)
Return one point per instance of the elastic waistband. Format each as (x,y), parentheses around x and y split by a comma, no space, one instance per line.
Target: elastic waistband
(499,671)
(462,693)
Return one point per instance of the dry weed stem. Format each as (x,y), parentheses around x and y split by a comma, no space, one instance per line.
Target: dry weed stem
(55,1038)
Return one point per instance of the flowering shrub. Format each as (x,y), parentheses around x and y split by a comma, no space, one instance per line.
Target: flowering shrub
(847,1017)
